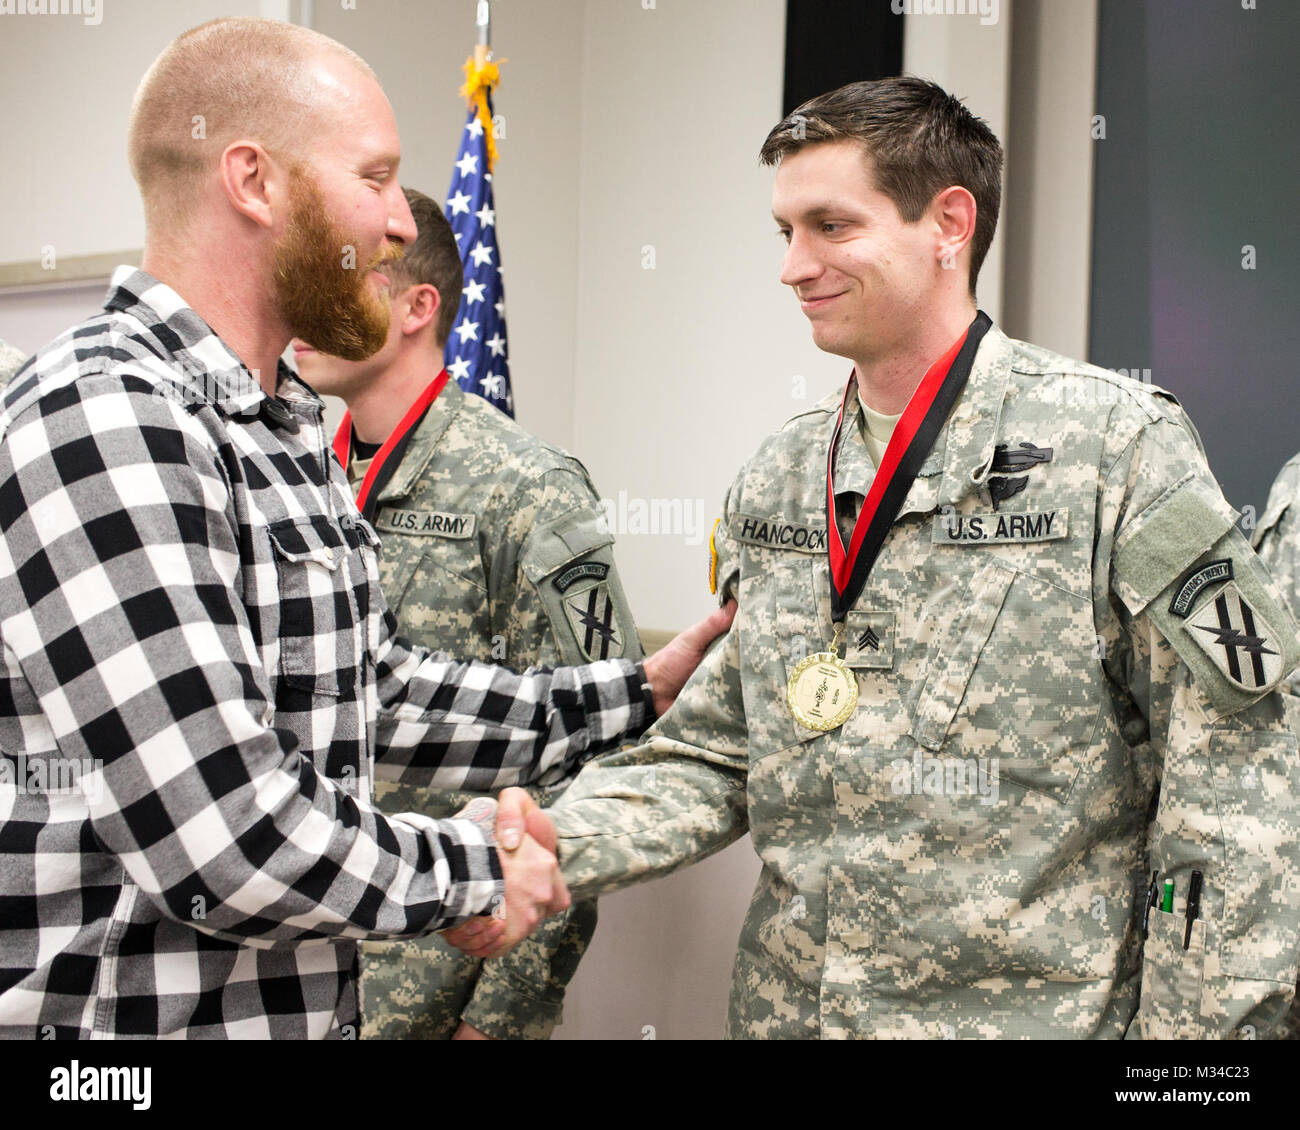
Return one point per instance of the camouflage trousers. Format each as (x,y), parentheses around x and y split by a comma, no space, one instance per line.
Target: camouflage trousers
(421,989)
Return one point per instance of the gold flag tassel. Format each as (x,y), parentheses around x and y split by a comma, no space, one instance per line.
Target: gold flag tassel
(481,78)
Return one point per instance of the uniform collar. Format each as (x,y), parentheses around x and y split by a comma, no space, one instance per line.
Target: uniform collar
(962,455)
(196,359)
(423,442)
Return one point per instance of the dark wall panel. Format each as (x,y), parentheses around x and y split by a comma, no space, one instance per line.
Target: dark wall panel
(832,42)
(1202,158)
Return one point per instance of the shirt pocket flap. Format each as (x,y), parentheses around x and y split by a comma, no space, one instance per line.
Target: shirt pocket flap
(557,543)
(946,686)
(314,538)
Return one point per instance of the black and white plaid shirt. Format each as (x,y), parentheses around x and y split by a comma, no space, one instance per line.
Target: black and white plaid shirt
(198,670)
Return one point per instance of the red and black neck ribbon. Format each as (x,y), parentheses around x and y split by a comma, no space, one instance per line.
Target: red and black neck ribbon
(914,436)
(389,457)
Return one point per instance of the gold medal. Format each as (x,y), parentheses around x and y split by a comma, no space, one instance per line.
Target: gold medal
(822,692)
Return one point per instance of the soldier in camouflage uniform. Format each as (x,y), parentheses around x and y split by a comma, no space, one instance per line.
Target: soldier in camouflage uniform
(11,360)
(1277,539)
(1065,657)
(493,548)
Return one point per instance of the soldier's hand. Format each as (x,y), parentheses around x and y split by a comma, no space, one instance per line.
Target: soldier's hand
(469,1032)
(669,668)
(534,887)
(519,815)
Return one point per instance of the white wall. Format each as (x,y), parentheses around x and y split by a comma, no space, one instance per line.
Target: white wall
(1049,174)
(971,59)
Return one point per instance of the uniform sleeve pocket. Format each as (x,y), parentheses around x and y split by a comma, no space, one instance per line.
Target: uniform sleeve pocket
(559,542)
(1172,979)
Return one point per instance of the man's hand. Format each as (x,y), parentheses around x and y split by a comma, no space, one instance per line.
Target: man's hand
(525,840)
(469,1032)
(669,668)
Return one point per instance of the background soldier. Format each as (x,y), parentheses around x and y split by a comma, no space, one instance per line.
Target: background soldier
(1277,538)
(1042,658)
(493,549)
(1277,541)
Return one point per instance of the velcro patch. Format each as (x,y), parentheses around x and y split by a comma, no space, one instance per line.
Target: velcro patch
(596,570)
(1190,587)
(869,640)
(778,534)
(431,523)
(1000,528)
(1242,644)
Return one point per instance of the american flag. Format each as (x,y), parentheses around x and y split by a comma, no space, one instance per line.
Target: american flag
(477,356)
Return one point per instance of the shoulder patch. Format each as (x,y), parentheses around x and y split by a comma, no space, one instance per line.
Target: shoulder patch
(1237,638)
(1189,588)
(584,570)
(595,624)
(713,558)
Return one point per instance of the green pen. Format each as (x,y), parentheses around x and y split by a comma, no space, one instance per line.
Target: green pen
(1167,903)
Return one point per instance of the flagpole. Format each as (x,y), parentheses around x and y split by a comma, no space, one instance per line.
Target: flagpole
(483,20)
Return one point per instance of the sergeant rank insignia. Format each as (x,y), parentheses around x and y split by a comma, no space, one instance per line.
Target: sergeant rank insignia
(591,615)
(1237,639)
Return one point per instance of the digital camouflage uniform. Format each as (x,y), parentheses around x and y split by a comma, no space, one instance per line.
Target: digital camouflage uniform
(1277,541)
(492,549)
(911,889)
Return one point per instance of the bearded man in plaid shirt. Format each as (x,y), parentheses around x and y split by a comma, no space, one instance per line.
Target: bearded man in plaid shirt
(199,673)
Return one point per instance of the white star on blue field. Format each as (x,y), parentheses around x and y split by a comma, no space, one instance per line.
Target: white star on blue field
(477,355)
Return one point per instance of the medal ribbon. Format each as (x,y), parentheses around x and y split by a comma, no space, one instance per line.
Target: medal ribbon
(389,456)
(914,436)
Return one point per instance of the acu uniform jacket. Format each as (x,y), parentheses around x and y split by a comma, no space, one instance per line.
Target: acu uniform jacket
(1067,659)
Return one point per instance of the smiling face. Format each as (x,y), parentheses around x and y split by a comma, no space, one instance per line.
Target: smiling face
(863,276)
(347,215)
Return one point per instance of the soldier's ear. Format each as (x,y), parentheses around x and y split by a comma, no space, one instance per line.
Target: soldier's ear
(423,304)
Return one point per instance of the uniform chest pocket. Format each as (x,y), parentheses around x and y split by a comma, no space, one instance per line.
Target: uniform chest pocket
(1016,677)
(320,630)
(787,618)
(436,588)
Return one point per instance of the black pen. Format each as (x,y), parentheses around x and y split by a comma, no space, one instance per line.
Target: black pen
(1151,901)
(1193,906)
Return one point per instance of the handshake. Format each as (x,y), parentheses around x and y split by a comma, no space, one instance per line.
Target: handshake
(525,835)
(525,839)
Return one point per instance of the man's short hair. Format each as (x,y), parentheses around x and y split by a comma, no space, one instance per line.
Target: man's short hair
(920,140)
(433,258)
(216,83)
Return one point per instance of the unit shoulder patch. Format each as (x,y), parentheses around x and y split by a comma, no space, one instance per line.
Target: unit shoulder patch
(595,625)
(1191,586)
(584,570)
(1241,643)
